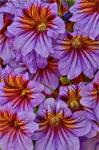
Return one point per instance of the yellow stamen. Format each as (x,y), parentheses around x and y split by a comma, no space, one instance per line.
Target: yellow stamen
(74,104)
(76,42)
(16,124)
(55,120)
(42,27)
(24,92)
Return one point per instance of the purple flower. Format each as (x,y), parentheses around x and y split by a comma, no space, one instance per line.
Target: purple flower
(19,3)
(10,6)
(94,129)
(35,26)
(90,95)
(40,69)
(61,4)
(71,96)
(90,144)
(16,129)
(6,52)
(58,127)
(6,6)
(86,14)
(21,65)
(26,63)
(47,73)
(77,54)
(21,93)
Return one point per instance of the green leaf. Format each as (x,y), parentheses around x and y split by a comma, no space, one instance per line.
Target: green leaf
(70,2)
(64,80)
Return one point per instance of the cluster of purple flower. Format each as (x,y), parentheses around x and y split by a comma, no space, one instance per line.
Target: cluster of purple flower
(49,74)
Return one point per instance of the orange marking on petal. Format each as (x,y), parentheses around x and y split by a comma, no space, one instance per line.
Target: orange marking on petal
(36,18)
(57,120)
(15,88)
(79,43)
(89,6)
(9,121)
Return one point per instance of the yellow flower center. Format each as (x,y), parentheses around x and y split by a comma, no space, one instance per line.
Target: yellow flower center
(16,124)
(76,43)
(41,27)
(74,100)
(74,104)
(55,120)
(24,92)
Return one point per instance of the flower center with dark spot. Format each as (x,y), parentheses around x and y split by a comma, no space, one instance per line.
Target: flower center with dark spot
(41,27)
(17,124)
